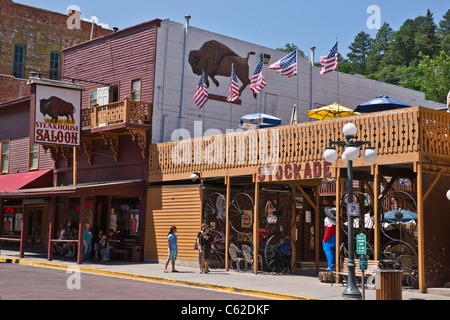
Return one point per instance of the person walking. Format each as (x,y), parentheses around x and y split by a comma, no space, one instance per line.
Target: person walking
(206,245)
(173,248)
(199,247)
(87,237)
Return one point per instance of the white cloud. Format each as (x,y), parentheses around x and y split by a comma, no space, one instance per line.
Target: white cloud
(96,20)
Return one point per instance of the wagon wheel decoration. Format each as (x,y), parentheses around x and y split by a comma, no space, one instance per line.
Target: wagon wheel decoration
(278,212)
(362,224)
(398,216)
(214,210)
(241,212)
(279,253)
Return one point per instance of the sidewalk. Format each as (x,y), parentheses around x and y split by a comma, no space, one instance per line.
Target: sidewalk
(304,285)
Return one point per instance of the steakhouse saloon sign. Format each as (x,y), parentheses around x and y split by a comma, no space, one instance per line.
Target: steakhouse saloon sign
(56,117)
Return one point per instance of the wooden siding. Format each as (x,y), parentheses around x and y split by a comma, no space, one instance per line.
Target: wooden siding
(178,206)
(14,126)
(115,59)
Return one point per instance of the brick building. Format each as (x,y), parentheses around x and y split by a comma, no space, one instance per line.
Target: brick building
(32,39)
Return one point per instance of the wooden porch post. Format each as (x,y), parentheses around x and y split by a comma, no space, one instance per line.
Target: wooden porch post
(75,165)
(81,229)
(338,218)
(420,228)
(376,195)
(23,234)
(256,227)
(317,239)
(227,222)
(293,229)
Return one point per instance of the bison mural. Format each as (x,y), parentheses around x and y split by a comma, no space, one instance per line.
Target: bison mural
(56,107)
(215,59)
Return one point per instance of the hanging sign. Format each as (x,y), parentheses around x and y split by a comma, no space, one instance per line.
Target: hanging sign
(55,112)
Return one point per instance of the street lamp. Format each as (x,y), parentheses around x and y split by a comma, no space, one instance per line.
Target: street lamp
(448,194)
(351,153)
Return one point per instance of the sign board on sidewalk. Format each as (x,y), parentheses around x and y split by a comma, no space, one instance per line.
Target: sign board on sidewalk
(361,247)
(363,263)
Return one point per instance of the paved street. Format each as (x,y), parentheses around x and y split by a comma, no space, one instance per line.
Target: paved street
(30,283)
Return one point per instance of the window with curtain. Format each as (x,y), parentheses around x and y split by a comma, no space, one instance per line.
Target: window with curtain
(33,162)
(19,61)
(55,65)
(136,89)
(5,156)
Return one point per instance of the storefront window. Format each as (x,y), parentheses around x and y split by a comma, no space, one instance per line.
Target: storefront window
(125,216)
(12,218)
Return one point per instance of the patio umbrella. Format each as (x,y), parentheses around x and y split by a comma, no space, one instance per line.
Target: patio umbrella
(400,216)
(330,112)
(259,120)
(380,103)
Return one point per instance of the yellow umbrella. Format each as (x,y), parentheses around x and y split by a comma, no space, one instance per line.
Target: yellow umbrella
(330,112)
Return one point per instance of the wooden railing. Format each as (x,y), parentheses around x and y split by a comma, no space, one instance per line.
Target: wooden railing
(398,136)
(126,111)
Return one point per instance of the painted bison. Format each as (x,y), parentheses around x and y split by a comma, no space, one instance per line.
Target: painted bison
(56,107)
(215,59)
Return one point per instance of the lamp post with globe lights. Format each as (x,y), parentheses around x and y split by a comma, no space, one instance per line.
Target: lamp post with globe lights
(351,153)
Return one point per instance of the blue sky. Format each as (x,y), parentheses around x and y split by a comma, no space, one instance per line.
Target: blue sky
(268,23)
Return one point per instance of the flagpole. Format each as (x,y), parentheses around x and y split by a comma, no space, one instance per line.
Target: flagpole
(298,97)
(337,77)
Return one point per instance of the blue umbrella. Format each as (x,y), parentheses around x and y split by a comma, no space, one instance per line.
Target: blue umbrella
(259,120)
(400,216)
(380,103)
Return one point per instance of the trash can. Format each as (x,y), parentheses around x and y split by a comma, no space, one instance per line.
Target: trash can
(136,254)
(388,284)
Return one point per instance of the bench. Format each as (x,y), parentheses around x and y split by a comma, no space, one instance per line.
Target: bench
(372,266)
(124,247)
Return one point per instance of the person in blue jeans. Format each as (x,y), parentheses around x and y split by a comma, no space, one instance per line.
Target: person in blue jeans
(173,248)
(87,237)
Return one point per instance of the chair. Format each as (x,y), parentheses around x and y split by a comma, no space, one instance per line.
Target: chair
(233,250)
(249,258)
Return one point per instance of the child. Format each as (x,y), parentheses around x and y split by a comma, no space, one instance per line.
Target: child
(104,246)
(206,245)
(97,243)
(173,249)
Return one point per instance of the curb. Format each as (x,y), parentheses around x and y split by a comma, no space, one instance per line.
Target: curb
(260,293)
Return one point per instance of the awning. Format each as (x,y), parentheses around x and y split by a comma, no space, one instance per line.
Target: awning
(27,180)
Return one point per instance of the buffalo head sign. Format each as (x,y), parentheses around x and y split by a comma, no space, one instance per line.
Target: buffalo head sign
(56,113)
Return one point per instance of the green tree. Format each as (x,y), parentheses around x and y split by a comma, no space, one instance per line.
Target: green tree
(359,48)
(444,32)
(435,79)
(289,47)
(379,46)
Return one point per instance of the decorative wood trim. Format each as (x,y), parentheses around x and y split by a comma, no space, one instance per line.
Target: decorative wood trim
(65,151)
(87,147)
(113,141)
(141,137)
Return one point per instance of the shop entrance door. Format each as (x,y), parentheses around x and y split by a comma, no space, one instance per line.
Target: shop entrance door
(35,229)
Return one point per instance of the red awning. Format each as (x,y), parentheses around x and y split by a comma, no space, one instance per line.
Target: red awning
(34,179)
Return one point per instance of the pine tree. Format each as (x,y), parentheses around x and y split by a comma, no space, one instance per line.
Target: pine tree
(360,48)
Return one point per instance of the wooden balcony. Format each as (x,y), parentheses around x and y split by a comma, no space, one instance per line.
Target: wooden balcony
(404,136)
(110,121)
(117,116)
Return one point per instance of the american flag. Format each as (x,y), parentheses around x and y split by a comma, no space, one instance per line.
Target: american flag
(287,66)
(330,61)
(233,95)
(258,82)
(201,94)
